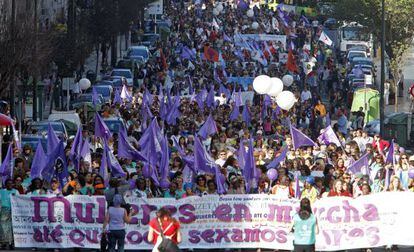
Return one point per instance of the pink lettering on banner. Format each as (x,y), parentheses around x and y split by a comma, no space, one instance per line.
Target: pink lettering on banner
(242,221)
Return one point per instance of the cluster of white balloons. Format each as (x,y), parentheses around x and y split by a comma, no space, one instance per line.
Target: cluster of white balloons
(219,8)
(84,83)
(273,87)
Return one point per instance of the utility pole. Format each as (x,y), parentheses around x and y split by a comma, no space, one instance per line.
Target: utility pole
(382,107)
(13,37)
(35,72)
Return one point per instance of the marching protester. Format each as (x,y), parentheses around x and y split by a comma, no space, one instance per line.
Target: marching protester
(164,227)
(305,228)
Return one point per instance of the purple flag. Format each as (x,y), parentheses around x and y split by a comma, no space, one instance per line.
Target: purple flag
(241,154)
(297,187)
(305,20)
(390,155)
(275,163)
(125,94)
(387,178)
(113,164)
(238,99)
(358,165)
(209,128)
(246,115)
(202,160)
(95,97)
(220,181)
(200,99)
(52,139)
(101,129)
(215,76)
(126,150)
(76,149)
(56,165)
(328,136)
(6,168)
(174,113)
(165,161)
(299,139)
(190,87)
(147,97)
(117,97)
(163,109)
(39,162)
(235,113)
(249,170)
(150,143)
(103,169)
(187,53)
(85,152)
(210,98)
(225,91)
(226,38)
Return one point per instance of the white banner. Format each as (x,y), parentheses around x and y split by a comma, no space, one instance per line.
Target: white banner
(239,39)
(232,221)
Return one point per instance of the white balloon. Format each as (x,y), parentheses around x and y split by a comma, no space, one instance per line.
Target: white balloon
(285,100)
(287,80)
(84,84)
(261,84)
(276,88)
(255,25)
(220,7)
(216,12)
(250,13)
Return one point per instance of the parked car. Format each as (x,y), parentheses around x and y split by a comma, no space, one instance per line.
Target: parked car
(149,40)
(104,90)
(70,116)
(115,82)
(40,128)
(33,140)
(354,54)
(123,72)
(138,52)
(114,124)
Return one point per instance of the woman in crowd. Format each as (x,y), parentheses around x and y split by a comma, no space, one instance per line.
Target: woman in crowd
(166,224)
(116,217)
(6,232)
(305,228)
(338,189)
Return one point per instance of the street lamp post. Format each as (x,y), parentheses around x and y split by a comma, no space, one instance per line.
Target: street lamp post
(382,108)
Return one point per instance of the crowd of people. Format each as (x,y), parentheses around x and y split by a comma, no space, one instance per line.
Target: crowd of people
(185,111)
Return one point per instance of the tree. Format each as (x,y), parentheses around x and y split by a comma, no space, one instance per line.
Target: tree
(399,20)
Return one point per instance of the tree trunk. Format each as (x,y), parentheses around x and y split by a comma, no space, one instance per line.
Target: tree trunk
(113,51)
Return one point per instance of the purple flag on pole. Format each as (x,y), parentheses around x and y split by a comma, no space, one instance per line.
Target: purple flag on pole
(241,154)
(209,128)
(101,129)
(113,164)
(187,53)
(246,115)
(103,169)
(56,165)
(39,162)
(275,163)
(220,181)
(202,160)
(52,139)
(390,155)
(150,143)
(225,91)
(358,165)
(249,170)
(297,187)
(147,97)
(165,161)
(117,97)
(86,151)
(75,151)
(210,98)
(6,168)
(200,99)
(242,5)
(328,136)
(235,113)
(125,94)
(299,139)
(126,150)
(238,99)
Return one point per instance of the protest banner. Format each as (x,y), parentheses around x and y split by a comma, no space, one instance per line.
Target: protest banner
(240,39)
(231,221)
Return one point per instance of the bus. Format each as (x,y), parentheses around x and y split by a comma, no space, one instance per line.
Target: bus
(355,35)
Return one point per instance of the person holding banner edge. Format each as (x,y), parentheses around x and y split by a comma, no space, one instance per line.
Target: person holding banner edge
(304,228)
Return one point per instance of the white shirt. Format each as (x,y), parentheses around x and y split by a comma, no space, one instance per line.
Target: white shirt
(305,95)
(220,162)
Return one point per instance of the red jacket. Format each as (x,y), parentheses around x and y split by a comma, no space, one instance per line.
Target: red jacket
(383,144)
(332,193)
